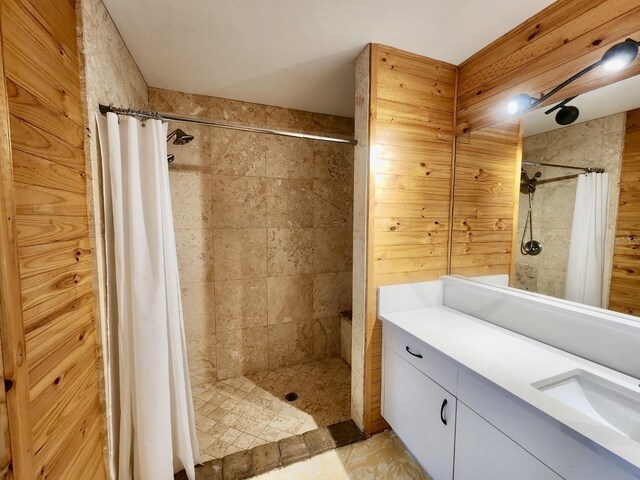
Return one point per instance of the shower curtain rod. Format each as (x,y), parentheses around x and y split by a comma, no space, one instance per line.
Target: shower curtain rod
(586,169)
(558,179)
(104,109)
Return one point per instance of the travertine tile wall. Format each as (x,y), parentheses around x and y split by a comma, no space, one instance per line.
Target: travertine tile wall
(264,236)
(110,75)
(596,143)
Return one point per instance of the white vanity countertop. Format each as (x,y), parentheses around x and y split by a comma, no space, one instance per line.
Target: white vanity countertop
(513,362)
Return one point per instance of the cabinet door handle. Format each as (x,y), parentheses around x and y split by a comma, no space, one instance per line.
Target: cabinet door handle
(444,404)
(414,354)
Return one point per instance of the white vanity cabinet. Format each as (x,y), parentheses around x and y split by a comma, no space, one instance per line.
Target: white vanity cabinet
(442,412)
(422,413)
(433,425)
(443,361)
(484,453)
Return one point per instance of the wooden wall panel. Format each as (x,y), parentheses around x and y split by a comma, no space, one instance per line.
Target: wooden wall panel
(541,53)
(65,419)
(16,452)
(486,194)
(624,295)
(411,137)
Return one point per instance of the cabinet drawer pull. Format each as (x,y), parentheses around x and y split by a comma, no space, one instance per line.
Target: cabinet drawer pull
(444,404)
(414,354)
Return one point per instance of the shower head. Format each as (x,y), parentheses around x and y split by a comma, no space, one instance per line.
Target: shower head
(180,137)
(567,115)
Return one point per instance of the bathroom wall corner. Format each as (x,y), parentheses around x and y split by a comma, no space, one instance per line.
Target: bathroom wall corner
(108,74)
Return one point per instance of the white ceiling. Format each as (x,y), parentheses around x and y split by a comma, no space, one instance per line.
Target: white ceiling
(615,98)
(298,53)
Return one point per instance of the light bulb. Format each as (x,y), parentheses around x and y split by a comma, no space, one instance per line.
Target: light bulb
(620,55)
(519,104)
(615,64)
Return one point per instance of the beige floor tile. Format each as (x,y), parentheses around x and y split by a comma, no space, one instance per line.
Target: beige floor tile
(244,441)
(218,429)
(217,449)
(230,436)
(270,434)
(246,411)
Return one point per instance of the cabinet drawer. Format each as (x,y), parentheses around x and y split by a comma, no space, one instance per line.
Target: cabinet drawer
(429,361)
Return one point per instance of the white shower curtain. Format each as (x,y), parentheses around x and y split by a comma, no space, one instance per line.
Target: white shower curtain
(157,435)
(585,270)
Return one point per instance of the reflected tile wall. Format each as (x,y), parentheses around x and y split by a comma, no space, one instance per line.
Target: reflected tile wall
(596,143)
(264,236)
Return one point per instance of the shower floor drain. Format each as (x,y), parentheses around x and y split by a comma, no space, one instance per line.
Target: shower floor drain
(291,397)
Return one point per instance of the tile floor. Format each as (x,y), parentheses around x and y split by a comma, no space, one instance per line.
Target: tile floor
(381,457)
(274,455)
(243,412)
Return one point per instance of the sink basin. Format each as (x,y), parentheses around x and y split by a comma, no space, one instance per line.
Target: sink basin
(606,402)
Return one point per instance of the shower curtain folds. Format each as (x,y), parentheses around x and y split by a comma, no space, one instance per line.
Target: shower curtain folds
(150,389)
(587,249)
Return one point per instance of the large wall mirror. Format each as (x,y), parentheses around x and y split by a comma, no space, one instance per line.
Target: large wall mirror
(569,195)
(575,233)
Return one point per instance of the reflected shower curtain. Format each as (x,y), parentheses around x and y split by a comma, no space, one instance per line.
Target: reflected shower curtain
(585,270)
(157,435)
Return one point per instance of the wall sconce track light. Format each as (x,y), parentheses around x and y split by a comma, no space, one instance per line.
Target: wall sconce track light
(616,58)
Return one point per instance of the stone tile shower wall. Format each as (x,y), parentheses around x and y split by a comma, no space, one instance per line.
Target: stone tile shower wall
(264,236)
(596,143)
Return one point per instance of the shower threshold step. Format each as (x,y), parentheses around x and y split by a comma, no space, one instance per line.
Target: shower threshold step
(267,457)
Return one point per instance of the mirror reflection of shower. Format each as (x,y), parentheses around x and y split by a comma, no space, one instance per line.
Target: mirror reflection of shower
(528,187)
(566,207)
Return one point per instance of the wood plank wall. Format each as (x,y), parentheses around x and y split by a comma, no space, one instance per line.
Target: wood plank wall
(624,295)
(14,413)
(47,136)
(541,53)
(411,97)
(486,196)
(411,136)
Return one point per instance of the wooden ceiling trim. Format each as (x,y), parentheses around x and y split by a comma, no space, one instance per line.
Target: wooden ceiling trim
(567,59)
(545,21)
(577,37)
(541,53)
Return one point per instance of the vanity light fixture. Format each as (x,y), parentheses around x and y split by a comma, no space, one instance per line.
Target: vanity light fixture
(620,56)
(616,58)
(520,103)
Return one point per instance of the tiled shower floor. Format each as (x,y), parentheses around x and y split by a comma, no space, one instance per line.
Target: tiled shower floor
(244,412)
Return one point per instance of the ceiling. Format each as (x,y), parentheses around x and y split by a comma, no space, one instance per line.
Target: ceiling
(298,53)
(615,98)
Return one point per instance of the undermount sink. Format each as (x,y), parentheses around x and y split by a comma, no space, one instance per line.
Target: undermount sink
(606,402)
